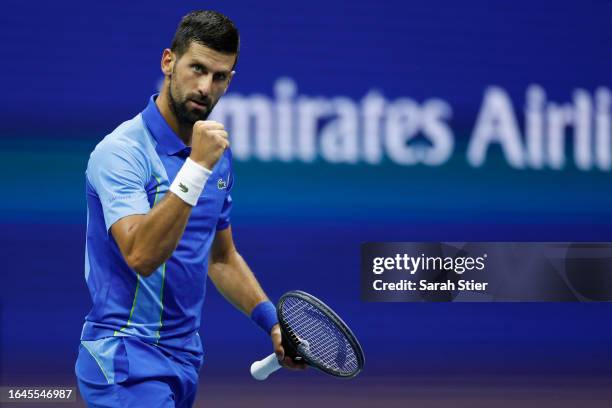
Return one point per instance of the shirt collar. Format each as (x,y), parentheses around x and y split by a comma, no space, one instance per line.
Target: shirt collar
(167,140)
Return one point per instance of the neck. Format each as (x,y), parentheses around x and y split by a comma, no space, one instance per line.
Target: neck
(163,104)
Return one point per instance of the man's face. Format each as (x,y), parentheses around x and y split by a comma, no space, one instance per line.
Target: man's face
(196,82)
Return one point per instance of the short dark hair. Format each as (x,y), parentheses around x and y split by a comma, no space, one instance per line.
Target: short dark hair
(209,28)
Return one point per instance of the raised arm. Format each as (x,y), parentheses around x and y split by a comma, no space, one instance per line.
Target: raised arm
(147,241)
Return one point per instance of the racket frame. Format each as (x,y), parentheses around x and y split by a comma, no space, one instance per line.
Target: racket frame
(292,348)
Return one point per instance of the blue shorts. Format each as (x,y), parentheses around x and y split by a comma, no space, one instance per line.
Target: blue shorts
(125,371)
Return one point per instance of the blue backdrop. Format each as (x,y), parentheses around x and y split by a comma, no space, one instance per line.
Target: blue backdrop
(350,122)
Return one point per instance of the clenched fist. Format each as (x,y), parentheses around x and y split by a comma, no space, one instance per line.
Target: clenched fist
(208,141)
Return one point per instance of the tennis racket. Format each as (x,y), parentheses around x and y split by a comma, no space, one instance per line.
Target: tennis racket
(313,332)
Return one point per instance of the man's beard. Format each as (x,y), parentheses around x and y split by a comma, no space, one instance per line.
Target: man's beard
(186,116)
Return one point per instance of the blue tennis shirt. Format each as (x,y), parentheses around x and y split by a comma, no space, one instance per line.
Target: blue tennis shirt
(128,173)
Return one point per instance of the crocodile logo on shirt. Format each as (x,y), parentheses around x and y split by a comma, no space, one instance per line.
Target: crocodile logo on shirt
(183,187)
(221,184)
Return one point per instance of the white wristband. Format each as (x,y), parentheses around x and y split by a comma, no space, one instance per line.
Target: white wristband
(190,181)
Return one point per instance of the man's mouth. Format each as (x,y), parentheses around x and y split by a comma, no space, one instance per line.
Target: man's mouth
(198,104)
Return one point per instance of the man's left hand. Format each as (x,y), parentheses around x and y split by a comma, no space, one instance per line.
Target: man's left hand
(284,360)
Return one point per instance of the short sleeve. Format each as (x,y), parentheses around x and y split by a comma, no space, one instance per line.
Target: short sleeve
(224,218)
(119,179)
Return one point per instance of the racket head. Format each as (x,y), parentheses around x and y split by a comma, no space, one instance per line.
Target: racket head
(313,331)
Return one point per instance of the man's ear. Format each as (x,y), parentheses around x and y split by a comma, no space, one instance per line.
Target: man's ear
(167,62)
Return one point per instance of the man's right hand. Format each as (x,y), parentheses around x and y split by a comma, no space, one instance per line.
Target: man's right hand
(208,142)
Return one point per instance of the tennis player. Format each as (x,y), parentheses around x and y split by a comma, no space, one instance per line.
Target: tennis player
(158,223)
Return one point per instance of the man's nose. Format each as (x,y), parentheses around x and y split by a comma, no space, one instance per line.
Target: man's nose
(205,84)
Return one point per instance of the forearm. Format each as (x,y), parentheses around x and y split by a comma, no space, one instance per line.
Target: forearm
(146,241)
(153,239)
(236,282)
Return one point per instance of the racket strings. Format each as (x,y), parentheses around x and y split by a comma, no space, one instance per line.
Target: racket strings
(317,338)
(322,339)
(334,353)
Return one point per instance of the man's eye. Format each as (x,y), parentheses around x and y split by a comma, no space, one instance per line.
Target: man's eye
(221,77)
(196,68)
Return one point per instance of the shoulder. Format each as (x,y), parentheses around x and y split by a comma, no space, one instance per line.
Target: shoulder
(130,145)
